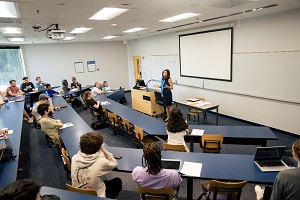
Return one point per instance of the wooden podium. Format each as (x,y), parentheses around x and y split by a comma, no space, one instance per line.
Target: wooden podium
(144,101)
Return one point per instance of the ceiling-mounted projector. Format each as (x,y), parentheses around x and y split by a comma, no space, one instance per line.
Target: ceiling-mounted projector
(57,34)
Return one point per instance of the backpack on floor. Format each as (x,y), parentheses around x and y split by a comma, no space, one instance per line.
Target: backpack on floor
(6,153)
(98,125)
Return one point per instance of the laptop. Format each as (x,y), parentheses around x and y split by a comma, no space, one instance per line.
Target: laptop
(41,88)
(269,159)
(174,164)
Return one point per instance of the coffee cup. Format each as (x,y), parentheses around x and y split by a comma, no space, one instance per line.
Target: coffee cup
(4,132)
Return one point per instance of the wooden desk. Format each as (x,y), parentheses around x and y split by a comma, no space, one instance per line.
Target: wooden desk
(144,101)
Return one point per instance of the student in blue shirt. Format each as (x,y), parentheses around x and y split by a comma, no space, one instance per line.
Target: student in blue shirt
(49,91)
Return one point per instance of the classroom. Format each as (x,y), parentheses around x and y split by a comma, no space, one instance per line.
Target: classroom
(264,55)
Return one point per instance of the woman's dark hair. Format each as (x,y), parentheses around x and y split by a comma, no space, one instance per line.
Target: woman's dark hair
(296,148)
(168,73)
(47,85)
(85,95)
(152,157)
(42,108)
(91,142)
(176,121)
(12,81)
(21,189)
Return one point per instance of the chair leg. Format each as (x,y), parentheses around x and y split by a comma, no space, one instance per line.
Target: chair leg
(198,116)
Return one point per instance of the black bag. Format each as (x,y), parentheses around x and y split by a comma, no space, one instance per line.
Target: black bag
(123,100)
(76,103)
(98,125)
(6,153)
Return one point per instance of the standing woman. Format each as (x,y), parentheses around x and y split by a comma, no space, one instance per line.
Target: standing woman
(166,86)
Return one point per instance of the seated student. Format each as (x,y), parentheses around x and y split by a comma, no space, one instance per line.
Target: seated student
(152,175)
(38,82)
(22,189)
(90,165)
(106,86)
(75,83)
(96,89)
(65,85)
(287,182)
(43,98)
(13,91)
(48,90)
(89,101)
(27,86)
(177,128)
(2,98)
(48,125)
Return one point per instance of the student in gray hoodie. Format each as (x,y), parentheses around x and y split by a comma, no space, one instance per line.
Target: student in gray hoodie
(91,164)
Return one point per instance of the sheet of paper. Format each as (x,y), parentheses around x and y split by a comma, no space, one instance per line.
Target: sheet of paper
(74,89)
(103,103)
(10,131)
(198,132)
(191,169)
(66,125)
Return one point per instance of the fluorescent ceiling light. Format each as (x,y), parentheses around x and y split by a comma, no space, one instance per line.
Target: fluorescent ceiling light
(134,30)
(69,38)
(8,10)
(179,17)
(81,30)
(11,30)
(108,13)
(15,39)
(109,37)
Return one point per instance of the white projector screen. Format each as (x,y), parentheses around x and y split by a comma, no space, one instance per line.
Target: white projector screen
(206,55)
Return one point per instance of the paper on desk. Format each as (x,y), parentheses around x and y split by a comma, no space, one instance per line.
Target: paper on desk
(103,103)
(191,169)
(198,132)
(66,125)
(74,89)
(10,131)
(201,103)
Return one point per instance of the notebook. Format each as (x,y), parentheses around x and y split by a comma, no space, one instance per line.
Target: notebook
(269,159)
(174,164)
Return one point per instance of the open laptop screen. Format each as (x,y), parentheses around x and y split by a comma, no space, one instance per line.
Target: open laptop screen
(269,153)
(171,164)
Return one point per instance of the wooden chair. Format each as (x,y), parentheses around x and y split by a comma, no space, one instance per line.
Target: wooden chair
(140,138)
(79,190)
(127,128)
(35,123)
(172,147)
(196,112)
(50,142)
(151,194)
(211,143)
(58,142)
(233,190)
(114,121)
(67,162)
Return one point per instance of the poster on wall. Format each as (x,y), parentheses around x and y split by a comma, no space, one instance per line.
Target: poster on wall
(78,67)
(91,65)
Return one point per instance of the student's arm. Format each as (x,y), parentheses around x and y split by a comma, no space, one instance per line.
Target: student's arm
(58,124)
(99,91)
(55,93)
(9,92)
(96,106)
(109,162)
(171,84)
(50,104)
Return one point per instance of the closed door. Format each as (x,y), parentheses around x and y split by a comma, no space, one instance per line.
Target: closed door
(137,68)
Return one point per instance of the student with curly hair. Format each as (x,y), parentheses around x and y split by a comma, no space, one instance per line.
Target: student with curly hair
(177,128)
(151,174)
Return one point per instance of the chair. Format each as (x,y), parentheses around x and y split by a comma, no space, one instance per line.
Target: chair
(114,121)
(50,142)
(79,190)
(58,142)
(35,123)
(233,190)
(127,128)
(172,147)
(140,138)
(196,112)
(159,101)
(211,143)
(151,194)
(67,162)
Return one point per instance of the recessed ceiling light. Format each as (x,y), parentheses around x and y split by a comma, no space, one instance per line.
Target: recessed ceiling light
(109,37)
(179,17)
(81,30)
(134,30)
(113,24)
(15,39)
(8,10)
(108,13)
(69,38)
(11,30)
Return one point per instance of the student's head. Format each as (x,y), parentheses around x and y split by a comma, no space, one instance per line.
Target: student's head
(22,189)
(43,109)
(296,150)
(64,82)
(91,142)
(152,158)
(97,85)
(176,121)
(73,79)
(38,79)
(43,98)
(105,84)
(12,83)
(166,73)
(25,79)
(87,95)
(48,86)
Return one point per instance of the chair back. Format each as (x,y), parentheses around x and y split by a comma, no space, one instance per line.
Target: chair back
(58,141)
(233,189)
(79,190)
(139,132)
(211,143)
(35,123)
(152,194)
(172,147)
(127,127)
(66,157)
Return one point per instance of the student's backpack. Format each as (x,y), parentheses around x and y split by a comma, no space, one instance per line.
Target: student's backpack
(6,153)
(76,103)
(98,125)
